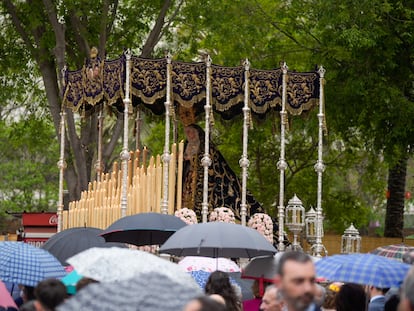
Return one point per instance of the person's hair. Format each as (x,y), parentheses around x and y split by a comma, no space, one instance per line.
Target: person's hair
(329,302)
(351,297)
(292,256)
(219,283)
(407,289)
(209,304)
(50,293)
(83,282)
(391,304)
(28,292)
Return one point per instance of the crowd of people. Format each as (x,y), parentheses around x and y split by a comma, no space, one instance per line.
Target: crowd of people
(294,288)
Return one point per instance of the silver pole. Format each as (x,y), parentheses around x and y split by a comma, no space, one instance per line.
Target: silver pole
(166,157)
(125,153)
(98,164)
(281,164)
(61,165)
(244,161)
(319,169)
(206,160)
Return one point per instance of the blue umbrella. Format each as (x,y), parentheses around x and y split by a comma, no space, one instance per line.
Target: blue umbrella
(364,269)
(21,263)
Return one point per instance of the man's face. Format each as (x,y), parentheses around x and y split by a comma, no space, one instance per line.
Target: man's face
(298,284)
(270,301)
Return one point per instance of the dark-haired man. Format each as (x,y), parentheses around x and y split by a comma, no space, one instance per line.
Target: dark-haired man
(296,281)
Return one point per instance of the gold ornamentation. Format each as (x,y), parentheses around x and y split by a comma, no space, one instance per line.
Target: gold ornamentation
(187,115)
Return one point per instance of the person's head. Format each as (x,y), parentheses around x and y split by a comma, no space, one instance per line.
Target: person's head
(219,283)
(49,294)
(296,280)
(376,291)
(407,292)
(351,297)
(272,299)
(27,293)
(331,292)
(192,132)
(320,294)
(204,303)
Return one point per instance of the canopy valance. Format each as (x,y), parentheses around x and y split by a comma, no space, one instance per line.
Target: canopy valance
(104,81)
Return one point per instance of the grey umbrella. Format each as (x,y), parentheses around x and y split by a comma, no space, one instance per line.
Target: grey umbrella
(150,292)
(143,229)
(70,242)
(218,239)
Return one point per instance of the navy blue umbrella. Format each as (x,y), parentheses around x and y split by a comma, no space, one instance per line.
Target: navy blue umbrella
(70,242)
(143,229)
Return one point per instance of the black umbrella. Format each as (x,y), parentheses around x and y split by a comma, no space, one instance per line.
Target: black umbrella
(143,229)
(72,241)
(218,239)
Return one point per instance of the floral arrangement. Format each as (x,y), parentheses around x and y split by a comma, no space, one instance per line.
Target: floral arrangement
(222,214)
(153,249)
(187,215)
(262,223)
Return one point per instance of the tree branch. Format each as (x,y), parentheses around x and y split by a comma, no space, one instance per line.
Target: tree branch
(154,35)
(59,31)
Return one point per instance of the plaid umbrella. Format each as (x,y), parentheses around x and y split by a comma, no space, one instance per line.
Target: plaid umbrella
(365,269)
(21,263)
(394,251)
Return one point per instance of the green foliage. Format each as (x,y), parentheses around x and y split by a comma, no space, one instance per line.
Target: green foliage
(29,176)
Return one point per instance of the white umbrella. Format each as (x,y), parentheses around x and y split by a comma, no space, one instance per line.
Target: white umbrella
(117,264)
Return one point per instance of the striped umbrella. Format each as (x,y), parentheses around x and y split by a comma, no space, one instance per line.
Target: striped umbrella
(22,263)
(394,251)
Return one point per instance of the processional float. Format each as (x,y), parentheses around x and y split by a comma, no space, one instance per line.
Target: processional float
(165,86)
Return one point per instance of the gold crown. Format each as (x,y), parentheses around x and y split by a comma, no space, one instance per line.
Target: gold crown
(187,115)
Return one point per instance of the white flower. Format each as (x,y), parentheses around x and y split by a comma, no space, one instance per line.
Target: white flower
(187,215)
(222,214)
(263,224)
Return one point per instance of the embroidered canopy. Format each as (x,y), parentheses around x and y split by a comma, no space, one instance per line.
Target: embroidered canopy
(104,81)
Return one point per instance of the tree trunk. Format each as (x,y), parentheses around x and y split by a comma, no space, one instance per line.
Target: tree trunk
(394,218)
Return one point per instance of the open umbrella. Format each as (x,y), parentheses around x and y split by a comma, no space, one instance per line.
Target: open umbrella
(6,300)
(394,251)
(262,269)
(199,263)
(117,264)
(21,263)
(143,229)
(364,269)
(150,292)
(217,239)
(70,242)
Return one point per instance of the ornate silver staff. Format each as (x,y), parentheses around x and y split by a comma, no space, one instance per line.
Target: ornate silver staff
(206,161)
(319,167)
(281,164)
(244,161)
(166,157)
(125,153)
